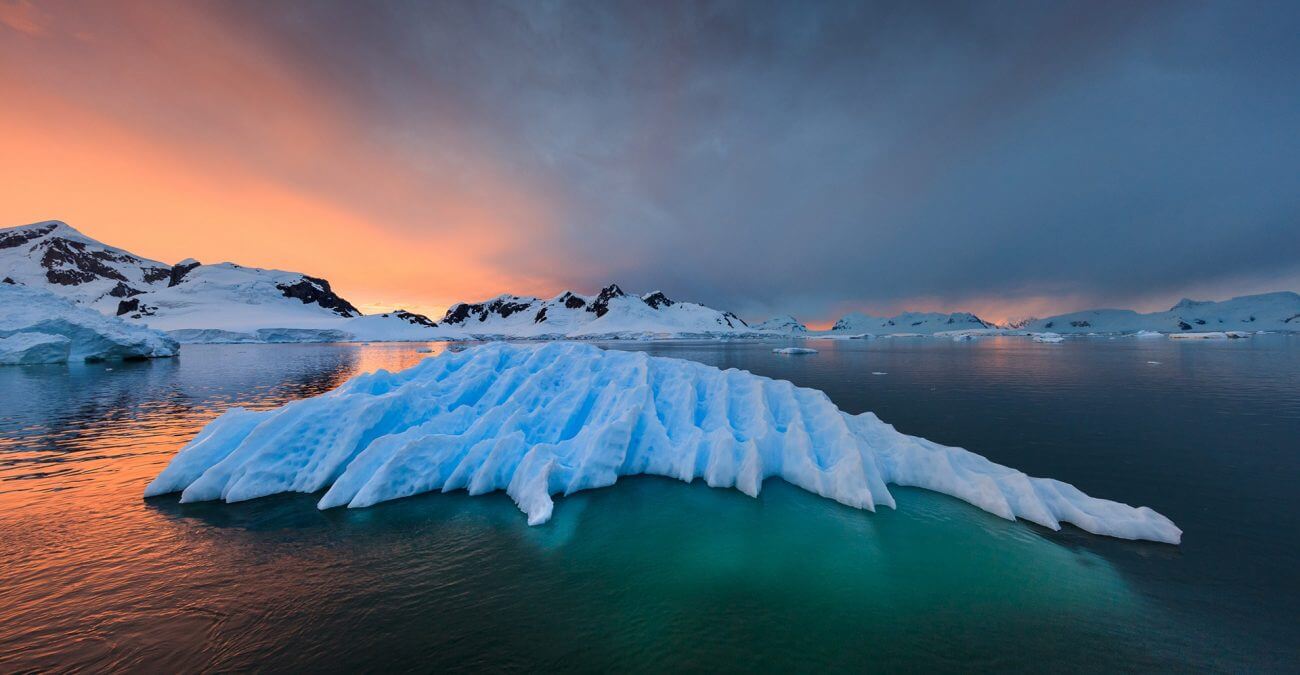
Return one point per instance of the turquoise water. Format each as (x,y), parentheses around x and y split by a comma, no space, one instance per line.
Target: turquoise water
(654,574)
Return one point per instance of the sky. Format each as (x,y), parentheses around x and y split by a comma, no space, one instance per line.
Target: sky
(806,158)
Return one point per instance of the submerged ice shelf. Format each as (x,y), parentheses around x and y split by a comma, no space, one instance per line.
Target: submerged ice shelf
(556,418)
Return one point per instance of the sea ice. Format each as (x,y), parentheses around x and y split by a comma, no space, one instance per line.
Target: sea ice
(1212,335)
(556,418)
(794,350)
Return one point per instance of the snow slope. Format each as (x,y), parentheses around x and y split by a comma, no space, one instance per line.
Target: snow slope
(540,420)
(781,324)
(44,317)
(924,323)
(1268,311)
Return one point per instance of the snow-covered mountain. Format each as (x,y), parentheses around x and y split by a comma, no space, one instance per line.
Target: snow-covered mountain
(922,323)
(1268,312)
(227,302)
(55,257)
(781,324)
(610,313)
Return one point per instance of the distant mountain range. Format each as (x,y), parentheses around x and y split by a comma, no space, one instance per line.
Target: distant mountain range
(1264,312)
(226,302)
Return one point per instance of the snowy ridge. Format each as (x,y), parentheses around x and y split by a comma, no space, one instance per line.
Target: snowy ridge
(1267,311)
(781,324)
(556,418)
(925,323)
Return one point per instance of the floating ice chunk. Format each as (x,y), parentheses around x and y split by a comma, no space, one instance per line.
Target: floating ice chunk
(1048,337)
(540,420)
(794,350)
(1212,335)
(878,372)
(1154,363)
(1148,334)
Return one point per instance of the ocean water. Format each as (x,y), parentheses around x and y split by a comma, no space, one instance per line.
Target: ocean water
(654,574)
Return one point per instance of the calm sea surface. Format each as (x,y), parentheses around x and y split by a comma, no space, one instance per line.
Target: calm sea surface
(654,574)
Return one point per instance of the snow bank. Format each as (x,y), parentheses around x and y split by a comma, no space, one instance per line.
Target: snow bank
(539,420)
(91,336)
(794,350)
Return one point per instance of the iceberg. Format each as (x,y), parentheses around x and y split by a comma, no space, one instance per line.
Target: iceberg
(1048,337)
(32,348)
(32,320)
(794,350)
(538,420)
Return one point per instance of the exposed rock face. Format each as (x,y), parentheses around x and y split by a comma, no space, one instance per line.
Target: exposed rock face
(734,321)
(657,300)
(503,307)
(413,318)
(601,305)
(178,272)
(19,236)
(315,290)
(572,301)
(135,308)
(121,290)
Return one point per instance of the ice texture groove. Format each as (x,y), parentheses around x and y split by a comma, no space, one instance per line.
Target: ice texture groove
(556,418)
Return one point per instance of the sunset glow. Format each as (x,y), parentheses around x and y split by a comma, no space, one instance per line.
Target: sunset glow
(415,162)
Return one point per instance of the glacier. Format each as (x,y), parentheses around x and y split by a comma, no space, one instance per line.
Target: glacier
(538,420)
(37,326)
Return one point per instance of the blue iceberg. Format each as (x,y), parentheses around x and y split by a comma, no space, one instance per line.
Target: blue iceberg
(556,418)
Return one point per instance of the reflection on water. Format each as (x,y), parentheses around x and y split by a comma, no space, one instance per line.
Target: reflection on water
(654,574)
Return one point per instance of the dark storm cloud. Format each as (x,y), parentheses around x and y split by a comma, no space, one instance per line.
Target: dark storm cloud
(787,156)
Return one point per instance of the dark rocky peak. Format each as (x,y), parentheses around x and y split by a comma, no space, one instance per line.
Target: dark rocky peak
(503,307)
(568,299)
(657,300)
(601,305)
(10,281)
(457,313)
(18,236)
(179,270)
(413,318)
(315,290)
